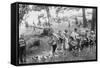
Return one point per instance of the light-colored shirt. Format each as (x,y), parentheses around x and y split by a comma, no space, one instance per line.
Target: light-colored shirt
(74,35)
(21,42)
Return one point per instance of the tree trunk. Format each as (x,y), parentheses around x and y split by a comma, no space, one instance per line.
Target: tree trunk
(84,18)
(48,15)
(93,23)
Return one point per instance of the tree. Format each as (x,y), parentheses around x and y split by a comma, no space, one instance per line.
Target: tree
(23,9)
(84,18)
(46,8)
(93,23)
(48,15)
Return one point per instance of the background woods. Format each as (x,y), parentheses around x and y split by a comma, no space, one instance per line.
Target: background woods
(59,33)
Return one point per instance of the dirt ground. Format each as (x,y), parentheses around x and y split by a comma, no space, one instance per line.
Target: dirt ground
(61,55)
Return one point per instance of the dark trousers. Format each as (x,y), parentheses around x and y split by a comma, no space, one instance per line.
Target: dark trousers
(21,53)
(54,48)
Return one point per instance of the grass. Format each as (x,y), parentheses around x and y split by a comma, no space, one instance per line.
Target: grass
(44,49)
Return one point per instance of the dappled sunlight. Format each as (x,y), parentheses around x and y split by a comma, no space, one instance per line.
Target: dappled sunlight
(54,33)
